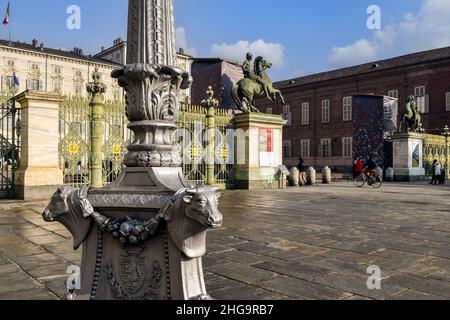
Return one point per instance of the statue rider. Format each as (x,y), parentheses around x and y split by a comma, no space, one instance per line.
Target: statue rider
(249,73)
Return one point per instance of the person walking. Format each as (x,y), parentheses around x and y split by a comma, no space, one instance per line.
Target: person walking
(437,171)
(433,172)
(442,177)
(302,172)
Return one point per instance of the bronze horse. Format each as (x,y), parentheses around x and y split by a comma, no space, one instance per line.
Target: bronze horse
(411,116)
(246,91)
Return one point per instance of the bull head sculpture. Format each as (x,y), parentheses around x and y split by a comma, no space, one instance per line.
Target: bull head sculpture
(203,206)
(65,208)
(194,212)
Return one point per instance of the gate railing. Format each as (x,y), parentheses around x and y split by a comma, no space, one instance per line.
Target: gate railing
(74,147)
(193,126)
(434,148)
(10,140)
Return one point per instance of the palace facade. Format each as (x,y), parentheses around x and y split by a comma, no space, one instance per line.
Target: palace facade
(319,107)
(32,66)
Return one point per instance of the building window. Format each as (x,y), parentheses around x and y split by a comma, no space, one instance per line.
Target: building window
(419,91)
(34,84)
(57,87)
(11,63)
(325,111)
(269,110)
(287,150)
(287,114)
(422,99)
(78,74)
(347,147)
(116,94)
(305,114)
(305,148)
(325,148)
(78,88)
(447,101)
(347,109)
(8,84)
(34,66)
(57,70)
(393,94)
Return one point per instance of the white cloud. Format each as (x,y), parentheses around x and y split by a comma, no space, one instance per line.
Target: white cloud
(425,30)
(181,42)
(361,51)
(272,52)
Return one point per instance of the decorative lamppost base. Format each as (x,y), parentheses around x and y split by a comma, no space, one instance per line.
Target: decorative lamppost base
(143,237)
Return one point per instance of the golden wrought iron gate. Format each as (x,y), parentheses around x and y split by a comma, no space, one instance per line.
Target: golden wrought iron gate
(74,147)
(193,124)
(10,139)
(434,148)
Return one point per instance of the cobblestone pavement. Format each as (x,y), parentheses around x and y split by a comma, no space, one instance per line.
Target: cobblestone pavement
(313,243)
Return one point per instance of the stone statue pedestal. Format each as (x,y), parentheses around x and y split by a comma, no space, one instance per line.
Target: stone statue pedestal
(408,157)
(259,151)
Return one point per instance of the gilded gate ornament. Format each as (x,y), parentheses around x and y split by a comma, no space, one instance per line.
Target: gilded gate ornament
(96,89)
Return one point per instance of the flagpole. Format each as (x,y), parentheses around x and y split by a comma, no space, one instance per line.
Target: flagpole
(10,22)
(7,19)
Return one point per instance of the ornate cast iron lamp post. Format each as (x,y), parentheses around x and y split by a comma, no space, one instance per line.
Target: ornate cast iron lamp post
(143,236)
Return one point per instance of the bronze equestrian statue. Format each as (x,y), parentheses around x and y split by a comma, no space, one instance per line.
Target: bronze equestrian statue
(256,84)
(411,116)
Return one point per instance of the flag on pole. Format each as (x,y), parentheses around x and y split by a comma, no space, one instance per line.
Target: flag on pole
(6,20)
(16,80)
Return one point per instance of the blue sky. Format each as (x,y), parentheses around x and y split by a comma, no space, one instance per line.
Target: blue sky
(300,37)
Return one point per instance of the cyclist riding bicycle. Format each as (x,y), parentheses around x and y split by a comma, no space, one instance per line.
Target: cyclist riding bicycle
(371,168)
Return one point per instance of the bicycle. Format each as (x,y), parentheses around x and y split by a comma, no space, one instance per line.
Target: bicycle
(375,181)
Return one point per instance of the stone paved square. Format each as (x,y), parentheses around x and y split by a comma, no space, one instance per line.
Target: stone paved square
(299,243)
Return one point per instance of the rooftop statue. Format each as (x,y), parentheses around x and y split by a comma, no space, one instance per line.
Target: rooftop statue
(256,84)
(411,116)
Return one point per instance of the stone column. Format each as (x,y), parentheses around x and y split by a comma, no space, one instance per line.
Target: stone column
(39,173)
